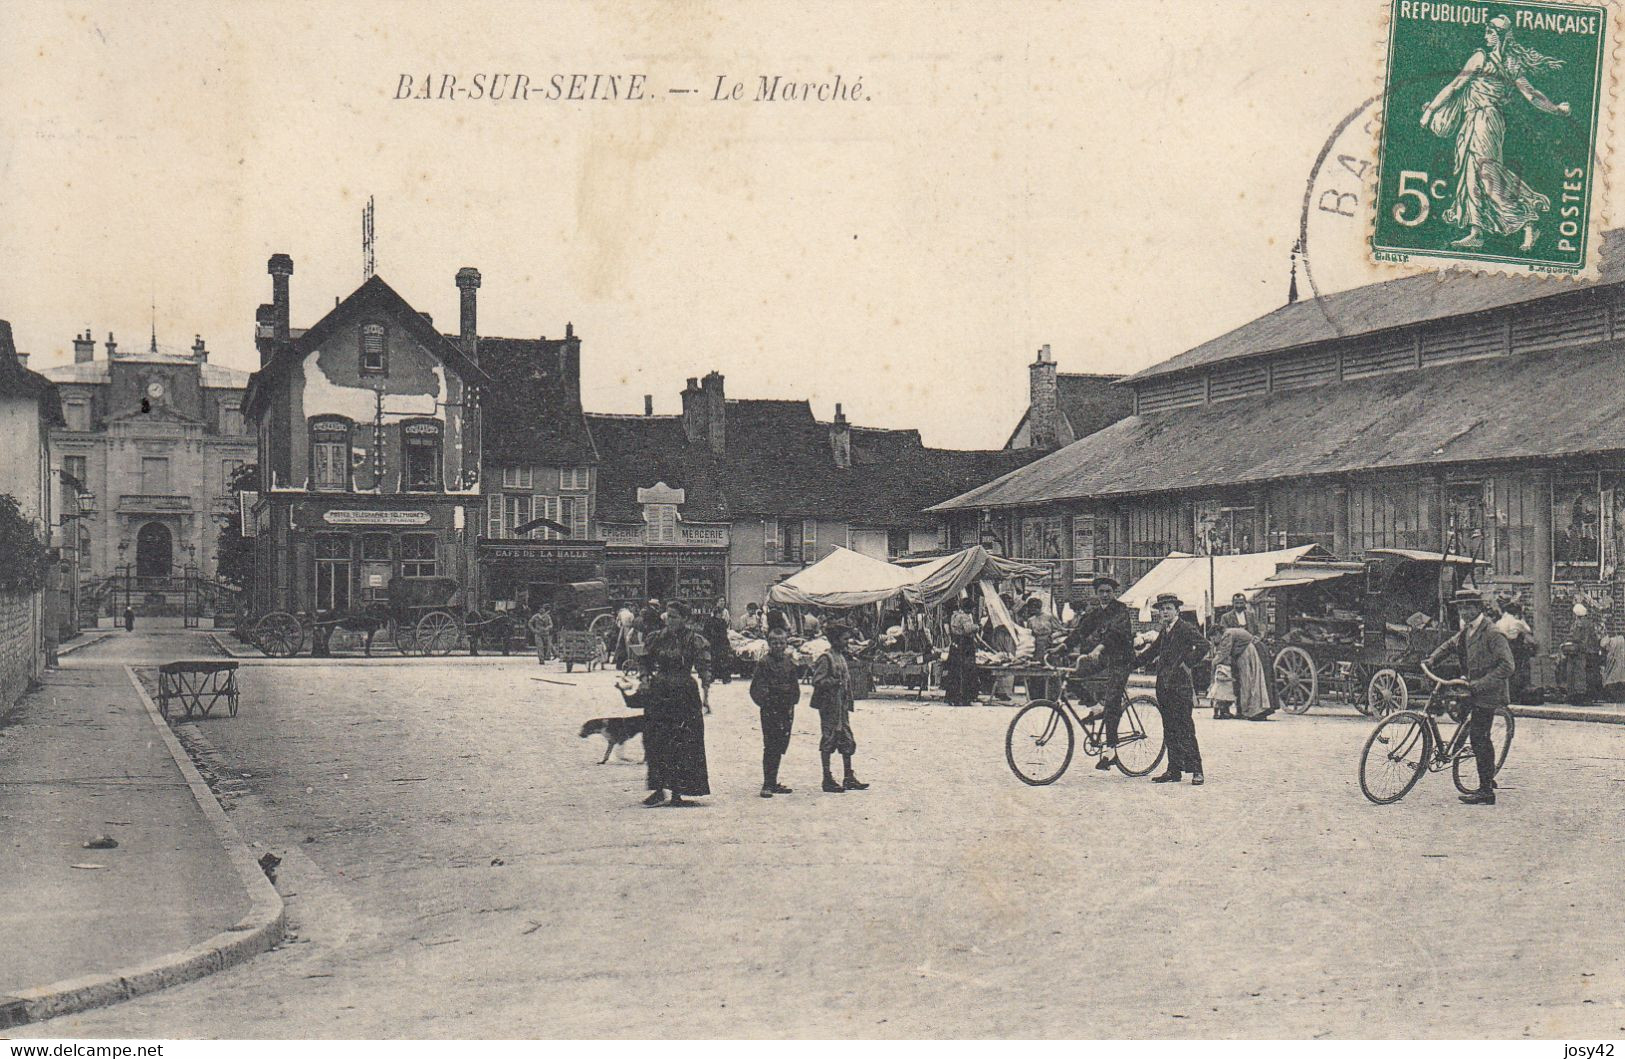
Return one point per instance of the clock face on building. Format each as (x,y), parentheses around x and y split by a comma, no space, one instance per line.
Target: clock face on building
(155,390)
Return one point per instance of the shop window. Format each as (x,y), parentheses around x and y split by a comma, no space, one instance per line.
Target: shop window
(418,555)
(375,566)
(420,440)
(374,350)
(1576,527)
(516,478)
(332,560)
(574,479)
(330,454)
(660,523)
(155,475)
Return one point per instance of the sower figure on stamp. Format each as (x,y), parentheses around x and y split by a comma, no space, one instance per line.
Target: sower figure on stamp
(674,725)
(1485,659)
(776,689)
(832,698)
(1177,648)
(1106,638)
(1489,197)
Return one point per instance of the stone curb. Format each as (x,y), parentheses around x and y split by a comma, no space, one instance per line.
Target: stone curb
(256,932)
(1569,713)
(68,649)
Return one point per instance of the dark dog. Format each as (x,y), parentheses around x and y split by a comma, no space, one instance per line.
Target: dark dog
(615,730)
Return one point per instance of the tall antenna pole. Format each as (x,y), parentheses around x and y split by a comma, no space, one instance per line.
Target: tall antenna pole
(369,263)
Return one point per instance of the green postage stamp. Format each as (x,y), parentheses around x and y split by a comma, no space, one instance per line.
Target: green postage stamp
(1494,137)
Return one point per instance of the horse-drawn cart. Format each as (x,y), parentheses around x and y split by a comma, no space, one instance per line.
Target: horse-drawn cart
(1358,631)
(418,615)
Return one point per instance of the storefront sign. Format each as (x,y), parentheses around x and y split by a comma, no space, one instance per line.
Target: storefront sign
(540,550)
(376,518)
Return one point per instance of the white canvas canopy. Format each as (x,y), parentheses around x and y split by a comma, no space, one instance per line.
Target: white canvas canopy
(1192,577)
(943,579)
(843,578)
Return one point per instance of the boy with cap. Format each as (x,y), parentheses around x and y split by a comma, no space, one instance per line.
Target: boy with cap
(775,688)
(832,698)
(1176,649)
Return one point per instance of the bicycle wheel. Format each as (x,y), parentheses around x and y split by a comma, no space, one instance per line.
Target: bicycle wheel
(1140,745)
(1039,745)
(1464,769)
(1395,756)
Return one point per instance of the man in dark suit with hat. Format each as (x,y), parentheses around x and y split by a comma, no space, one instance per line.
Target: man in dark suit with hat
(1105,637)
(1177,648)
(1486,663)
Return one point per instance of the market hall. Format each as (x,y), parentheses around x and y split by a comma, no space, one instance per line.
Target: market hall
(1447,413)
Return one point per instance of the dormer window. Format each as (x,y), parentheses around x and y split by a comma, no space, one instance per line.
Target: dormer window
(374,350)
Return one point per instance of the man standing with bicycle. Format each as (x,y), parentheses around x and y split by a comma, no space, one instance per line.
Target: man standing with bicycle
(1106,637)
(1485,659)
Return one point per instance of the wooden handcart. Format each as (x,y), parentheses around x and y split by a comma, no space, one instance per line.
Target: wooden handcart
(197,687)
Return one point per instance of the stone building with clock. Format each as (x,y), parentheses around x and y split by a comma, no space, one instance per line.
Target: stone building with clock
(154,435)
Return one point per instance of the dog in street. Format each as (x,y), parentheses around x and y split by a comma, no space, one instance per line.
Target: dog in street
(615,730)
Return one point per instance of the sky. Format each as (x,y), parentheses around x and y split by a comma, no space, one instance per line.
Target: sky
(1119,180)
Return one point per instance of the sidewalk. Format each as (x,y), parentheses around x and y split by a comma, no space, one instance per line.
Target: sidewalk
(82,757)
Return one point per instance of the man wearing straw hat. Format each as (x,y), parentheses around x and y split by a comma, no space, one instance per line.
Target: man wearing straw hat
(1177,648)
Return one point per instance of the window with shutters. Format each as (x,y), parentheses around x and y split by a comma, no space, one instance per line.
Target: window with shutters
(573,513)
(516,478)
(809,540)
(770,540)
(517,511)
(573,479)
(660,523)
(330,454)
(493,516)
(374,350)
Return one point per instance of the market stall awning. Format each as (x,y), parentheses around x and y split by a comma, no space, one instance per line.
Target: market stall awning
(843,578)
(1426,557)
(940,580)
(1193,577)
(1311,572)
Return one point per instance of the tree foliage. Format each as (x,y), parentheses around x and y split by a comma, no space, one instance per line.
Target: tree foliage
(24,558)
(234,553)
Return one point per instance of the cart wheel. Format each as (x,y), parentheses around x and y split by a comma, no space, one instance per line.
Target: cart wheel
(601,626)
(1296,679)
(437,633)
(1385,694)
(279,634)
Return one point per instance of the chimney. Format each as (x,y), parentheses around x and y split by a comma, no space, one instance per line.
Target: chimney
(264,330)
(648,404)
(1043,414)
(112,346)
(200,352)
(280,267)
(468,332)
(84,348)
(570,365)
(716,412)
(693,412)
(840,439)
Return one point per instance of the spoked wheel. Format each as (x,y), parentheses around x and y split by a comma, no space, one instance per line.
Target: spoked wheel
(601,626)
(1139,737)
(1395,757)
(1039,745)
(1386,693)
(1464,770)
(1296,679)
(437,633)
(279,634)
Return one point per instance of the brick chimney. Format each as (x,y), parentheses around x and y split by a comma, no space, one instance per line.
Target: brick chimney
(840,439)
(112,346)
(570,364)
(468,332)
(1043,412)
(200,352)
(716,412)
(280,267)
(693,412)
(84,348)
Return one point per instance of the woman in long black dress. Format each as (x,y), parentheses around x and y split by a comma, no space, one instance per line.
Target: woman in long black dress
(674,725)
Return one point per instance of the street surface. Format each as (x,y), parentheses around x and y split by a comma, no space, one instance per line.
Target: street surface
(457,864)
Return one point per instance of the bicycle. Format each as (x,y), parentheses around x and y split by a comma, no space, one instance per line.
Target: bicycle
(1042,733)
(1409,743)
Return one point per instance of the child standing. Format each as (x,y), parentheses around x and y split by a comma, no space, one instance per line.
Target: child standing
(832,698)
(775,689)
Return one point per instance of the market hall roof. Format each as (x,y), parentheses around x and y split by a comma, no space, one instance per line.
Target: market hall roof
(1382,306)
(1530,406)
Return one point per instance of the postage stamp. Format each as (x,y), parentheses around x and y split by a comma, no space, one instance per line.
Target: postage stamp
(1492,152)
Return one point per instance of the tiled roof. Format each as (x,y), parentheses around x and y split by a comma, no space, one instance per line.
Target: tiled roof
(1381,306)
(779,464)
(18,381)
(1092,402)
(529,415)
(1531,406)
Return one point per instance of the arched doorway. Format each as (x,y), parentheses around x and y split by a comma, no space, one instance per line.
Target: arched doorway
(154,550)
